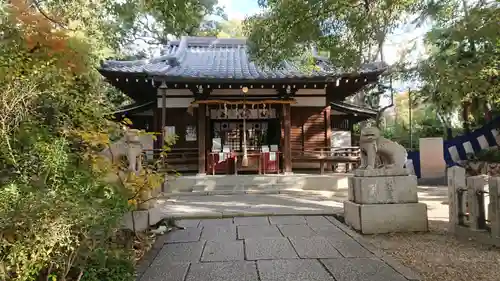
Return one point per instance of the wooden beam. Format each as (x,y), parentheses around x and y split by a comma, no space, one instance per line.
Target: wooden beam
(202,132)
(328,131)
(250,102)
(287,148)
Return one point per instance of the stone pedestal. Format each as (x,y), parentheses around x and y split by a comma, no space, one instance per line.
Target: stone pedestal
(379,203)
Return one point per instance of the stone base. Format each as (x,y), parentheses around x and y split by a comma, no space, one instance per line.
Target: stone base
(382,172)
(141,220)
(386,218)
(433,181)
(383,190)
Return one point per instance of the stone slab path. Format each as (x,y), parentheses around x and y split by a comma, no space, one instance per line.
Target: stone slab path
(282,204)
(272,248)
(248,205)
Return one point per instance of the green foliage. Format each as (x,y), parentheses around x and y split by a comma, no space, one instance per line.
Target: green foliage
(487,155)
(231,29)
(462,66)
(424,123)
(60,201)
(103,266)
(153,21)
(351,32)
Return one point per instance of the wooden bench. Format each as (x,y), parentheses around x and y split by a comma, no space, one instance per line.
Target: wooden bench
(329,156)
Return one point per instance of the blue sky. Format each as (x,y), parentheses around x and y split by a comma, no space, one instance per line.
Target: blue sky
(238,9)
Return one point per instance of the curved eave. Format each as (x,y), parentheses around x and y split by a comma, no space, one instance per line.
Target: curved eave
(359,113)
(229,80)
(132,108)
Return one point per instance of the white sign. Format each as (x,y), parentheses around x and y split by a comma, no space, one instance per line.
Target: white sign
(190,133)
(272,156)
(216,144)
(341,138)
(169,131)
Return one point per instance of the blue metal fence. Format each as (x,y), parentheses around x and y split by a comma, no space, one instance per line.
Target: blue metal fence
(415,157)
(485,137)
(457,148)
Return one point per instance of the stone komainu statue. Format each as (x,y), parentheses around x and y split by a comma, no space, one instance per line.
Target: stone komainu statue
(375,148)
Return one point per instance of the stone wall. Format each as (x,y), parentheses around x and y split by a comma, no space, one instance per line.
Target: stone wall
(474,207)
(147,213)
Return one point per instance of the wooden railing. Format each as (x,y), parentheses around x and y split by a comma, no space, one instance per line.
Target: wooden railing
(474,206)
(177,159)
(350,156)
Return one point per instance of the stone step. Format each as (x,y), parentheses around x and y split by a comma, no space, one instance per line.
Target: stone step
(256,183)
(324,193)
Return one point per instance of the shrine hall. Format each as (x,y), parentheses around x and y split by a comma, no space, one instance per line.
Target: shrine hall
(231,115)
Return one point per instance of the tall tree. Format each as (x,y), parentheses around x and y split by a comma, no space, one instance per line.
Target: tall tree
(462,67)
(351,33)
(154,21)
(231,29)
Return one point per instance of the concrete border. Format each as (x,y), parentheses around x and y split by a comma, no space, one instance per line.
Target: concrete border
(146,218)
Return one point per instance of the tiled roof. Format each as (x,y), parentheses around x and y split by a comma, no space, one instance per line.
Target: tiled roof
(210,57)
(350,108)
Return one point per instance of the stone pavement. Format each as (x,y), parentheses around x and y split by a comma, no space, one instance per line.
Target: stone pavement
(218,206)
(274,248)
(312,203)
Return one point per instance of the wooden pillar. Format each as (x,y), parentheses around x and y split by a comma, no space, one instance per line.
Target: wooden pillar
(202,132)
(287,148)
(162,90)
(156,126)
(328,126)
(160,116)
(328,132)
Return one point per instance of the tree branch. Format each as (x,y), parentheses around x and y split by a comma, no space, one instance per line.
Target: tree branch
(44,14)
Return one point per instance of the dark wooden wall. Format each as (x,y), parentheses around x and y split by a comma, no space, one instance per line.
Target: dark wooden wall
(308,128)
(180,118)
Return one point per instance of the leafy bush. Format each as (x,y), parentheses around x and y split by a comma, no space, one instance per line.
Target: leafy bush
(59,207)
(488,155)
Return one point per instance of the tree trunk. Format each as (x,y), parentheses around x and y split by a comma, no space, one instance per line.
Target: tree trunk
(465,117)
(487,112)
(449,133)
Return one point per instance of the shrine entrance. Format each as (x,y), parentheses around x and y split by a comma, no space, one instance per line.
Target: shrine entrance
(259,133)
(243,138)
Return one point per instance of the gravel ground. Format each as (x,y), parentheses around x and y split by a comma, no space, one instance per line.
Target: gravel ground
(438,256)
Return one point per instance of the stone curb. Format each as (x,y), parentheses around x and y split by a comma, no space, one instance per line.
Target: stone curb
(250,214)
(397,266)
(254,192)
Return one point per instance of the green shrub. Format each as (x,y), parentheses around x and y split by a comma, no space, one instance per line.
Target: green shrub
(104,265)
(488,155)
(59,212)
